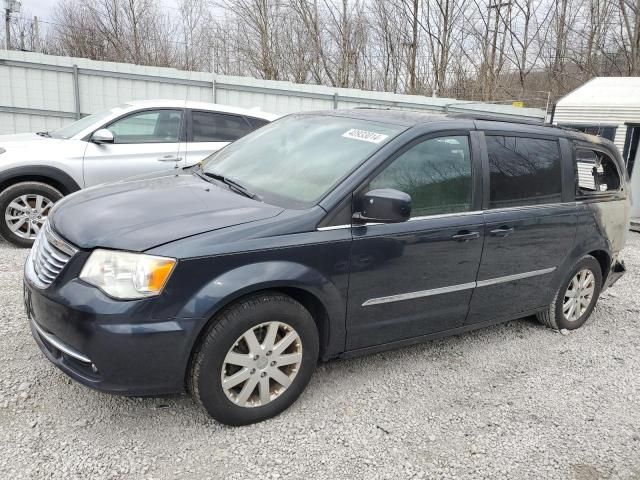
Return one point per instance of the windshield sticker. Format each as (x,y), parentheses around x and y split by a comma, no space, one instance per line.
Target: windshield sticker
(364,135)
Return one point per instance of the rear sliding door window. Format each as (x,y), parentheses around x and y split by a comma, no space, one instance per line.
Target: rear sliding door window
(523,171)
(597,173)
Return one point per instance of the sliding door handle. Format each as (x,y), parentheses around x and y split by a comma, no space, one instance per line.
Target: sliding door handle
(502,232)
(465,235)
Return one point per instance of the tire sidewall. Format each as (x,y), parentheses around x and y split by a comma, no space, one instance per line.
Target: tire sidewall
(214,351)
(12,192)
(586,262)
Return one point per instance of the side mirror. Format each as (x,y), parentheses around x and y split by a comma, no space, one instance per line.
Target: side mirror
(384,205)
(102,136)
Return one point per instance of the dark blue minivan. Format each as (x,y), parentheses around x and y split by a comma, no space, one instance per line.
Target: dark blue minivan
(323,235)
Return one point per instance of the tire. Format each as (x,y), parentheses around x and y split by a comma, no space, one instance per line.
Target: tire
(22,199)
(225,339)
(555,316)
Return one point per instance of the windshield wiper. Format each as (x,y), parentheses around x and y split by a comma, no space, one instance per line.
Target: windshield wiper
(233,185)
(44,134)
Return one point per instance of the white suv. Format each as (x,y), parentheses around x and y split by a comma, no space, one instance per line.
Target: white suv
(37,169)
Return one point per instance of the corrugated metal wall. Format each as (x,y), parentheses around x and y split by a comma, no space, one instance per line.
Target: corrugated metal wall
(599,115)
(43,92)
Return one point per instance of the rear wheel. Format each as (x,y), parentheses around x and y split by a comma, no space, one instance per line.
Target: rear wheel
(576,297)
(25,207)
(255,359)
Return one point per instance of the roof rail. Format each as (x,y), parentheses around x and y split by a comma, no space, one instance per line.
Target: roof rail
(498,118)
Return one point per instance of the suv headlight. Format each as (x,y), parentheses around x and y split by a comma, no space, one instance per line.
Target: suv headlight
(2,150)
(126,275)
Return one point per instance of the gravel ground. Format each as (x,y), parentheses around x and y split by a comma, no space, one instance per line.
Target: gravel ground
(512,401)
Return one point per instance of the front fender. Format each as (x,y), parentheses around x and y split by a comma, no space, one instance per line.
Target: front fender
(238,282)
(59,176)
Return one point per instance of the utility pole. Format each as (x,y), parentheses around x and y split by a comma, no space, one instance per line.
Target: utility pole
(7,27)
(36,35)
(10,6)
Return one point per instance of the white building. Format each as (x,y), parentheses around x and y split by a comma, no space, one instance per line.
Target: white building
(609,107)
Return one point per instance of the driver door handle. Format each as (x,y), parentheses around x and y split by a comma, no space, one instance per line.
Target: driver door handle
(170,158)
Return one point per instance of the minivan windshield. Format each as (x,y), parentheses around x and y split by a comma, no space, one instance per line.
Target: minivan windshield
(75,128)
(295,161)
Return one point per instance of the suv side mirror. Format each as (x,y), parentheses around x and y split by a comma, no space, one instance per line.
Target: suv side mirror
(384,205)
(102,136)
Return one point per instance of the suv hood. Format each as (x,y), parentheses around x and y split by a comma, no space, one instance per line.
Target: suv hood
(25,147)
(24,140)
(144,212)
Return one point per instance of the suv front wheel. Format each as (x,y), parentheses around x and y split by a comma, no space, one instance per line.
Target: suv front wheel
(25,207)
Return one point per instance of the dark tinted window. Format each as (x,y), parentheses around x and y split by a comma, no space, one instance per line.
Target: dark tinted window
(218,127)
(436,173)
(257,122)
(523,171)
(596,172)
(148,126)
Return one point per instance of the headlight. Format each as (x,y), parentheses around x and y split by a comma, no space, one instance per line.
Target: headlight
(126,275)
(2,150)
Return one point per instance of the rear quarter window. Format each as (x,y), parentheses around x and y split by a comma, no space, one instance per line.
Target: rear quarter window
(596,172)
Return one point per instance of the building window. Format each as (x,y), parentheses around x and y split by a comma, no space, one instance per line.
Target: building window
(631,147)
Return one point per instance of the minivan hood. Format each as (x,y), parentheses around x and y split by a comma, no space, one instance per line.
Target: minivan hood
(144,212)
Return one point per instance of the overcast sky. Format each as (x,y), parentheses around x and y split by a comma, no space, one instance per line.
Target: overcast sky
(44,8)
(40,8)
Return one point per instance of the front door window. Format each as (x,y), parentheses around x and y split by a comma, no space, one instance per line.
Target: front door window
(436,173)
(149,126)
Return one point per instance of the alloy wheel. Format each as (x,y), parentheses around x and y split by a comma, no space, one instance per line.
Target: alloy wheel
(578,295)
(26,214)
(261,364)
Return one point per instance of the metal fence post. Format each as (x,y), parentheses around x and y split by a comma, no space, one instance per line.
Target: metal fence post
(76,91)
(335,100)
(213,91)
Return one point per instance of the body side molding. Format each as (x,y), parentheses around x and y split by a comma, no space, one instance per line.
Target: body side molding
(455,288)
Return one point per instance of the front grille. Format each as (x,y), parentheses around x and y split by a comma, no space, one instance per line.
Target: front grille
(49,255)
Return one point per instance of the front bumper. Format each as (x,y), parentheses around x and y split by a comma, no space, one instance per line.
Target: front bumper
(112,346)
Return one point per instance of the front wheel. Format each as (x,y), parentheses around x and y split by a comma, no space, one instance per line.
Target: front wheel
(576,297)
(255,359)
(25,207)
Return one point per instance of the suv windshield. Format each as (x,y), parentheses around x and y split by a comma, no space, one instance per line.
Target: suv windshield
(295,161)
(76,127)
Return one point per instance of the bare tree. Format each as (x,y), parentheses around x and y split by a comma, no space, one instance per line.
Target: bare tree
(491,50)
(630,15)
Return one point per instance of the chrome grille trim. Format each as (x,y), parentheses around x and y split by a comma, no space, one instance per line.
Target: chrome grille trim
(49,255)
